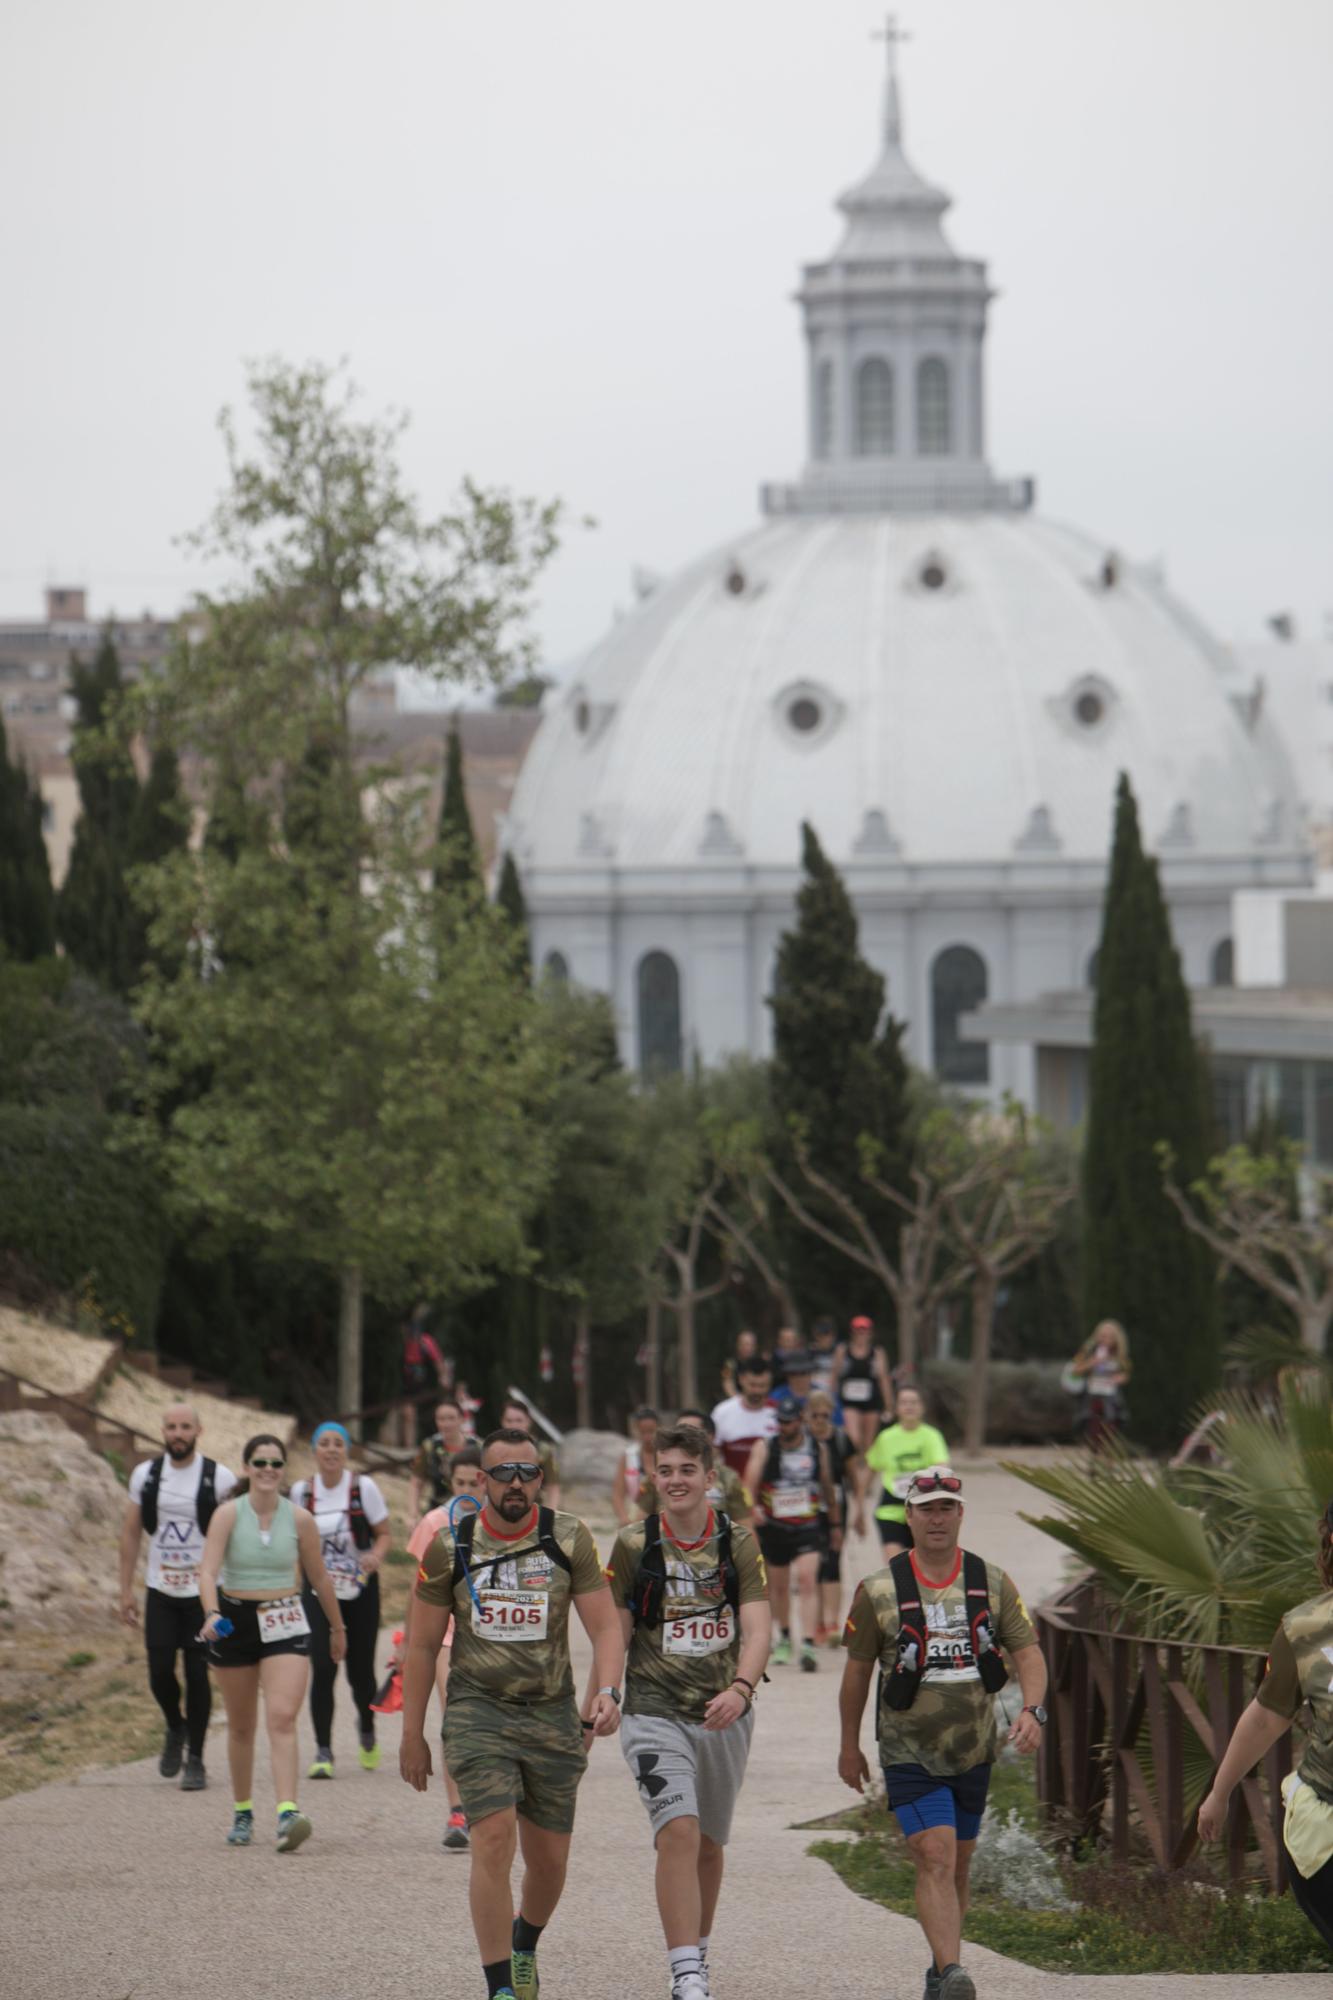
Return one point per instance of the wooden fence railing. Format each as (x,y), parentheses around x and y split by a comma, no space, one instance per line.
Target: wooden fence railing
(1122,1709)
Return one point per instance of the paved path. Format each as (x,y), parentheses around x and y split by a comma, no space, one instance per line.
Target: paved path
(123,1889)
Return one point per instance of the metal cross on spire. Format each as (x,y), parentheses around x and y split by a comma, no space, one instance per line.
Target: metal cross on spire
(892,36)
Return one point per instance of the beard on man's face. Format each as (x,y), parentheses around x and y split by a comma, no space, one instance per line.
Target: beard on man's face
(178,1447)
(515,1500)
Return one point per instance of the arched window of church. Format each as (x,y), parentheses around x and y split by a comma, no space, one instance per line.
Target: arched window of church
(874,409)
(659,1014)
(824,410)
(934,417)
(1222,968)
(556,966)
(957,985)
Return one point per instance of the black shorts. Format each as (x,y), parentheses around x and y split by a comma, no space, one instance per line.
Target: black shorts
(891,1532)
(242,1646)
(781,1544)
(829,1559)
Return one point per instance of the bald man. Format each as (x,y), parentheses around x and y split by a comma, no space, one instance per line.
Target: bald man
(172,1498)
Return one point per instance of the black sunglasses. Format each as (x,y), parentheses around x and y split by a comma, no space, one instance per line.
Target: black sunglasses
(507,1473)
(267,1464)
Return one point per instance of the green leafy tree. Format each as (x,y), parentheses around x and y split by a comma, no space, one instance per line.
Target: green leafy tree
(510,898)
(27,903)
(839,1078)
(1139,1265)
(95,916)
(334,1071)
(1248,1212)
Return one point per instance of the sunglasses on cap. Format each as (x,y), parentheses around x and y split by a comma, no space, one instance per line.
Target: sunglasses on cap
(935,1482)
(511,1470)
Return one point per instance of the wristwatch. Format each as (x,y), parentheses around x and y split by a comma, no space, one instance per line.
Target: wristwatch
(1035,1708)
(613,1692)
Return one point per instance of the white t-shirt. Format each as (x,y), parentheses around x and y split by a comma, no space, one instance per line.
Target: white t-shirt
(177,1544)
(332,1511)
(736,1429)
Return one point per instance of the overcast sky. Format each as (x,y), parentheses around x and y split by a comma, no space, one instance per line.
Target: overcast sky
(564,235)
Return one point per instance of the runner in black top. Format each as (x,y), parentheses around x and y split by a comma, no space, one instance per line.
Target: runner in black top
(864,1389)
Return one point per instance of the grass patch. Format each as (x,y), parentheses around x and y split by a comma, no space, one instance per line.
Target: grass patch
(75,1660)
(400,1559)
(53,1728)
(1131,1919)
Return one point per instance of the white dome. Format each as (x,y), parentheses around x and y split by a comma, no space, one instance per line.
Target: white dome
(936,689)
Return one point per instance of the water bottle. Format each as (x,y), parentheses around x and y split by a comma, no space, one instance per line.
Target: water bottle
(222,1630)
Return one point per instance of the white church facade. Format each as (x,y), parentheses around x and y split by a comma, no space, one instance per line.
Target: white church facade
(942,683)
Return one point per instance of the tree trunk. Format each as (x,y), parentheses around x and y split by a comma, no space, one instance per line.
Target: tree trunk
(653,1349)
(1314,1316)
(583,1370)
(907,1354)
(350,1299)
(984,1287)
(687,1377)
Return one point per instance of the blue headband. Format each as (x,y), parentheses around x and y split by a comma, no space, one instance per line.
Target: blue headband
(321,1428)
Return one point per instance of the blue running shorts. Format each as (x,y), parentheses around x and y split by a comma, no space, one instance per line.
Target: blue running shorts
(921,1799)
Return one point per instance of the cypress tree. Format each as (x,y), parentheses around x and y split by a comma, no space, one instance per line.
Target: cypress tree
(95,920)
(27,902)
(458,864)
(159,827)
(509,897)
(1147,1087)
(839,1068)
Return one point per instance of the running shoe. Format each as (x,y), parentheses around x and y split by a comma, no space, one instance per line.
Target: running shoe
(173,1752)
(693,1986)
(809,1658)
(932,1991)
(194,1777)
(293,1829)
(781,1654)
(456,1833)
(955,1984)
(368,1756)
(523,1965)
(323,1764)
(242,1829)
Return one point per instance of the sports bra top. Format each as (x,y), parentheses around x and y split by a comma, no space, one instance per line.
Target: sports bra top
(252,1564)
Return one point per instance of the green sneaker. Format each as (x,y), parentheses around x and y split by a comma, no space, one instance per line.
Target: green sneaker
(293,1829)
(781,1654)
(323,1764)
(809,1658)
(368,1756)
(524,1967)
(242,1829)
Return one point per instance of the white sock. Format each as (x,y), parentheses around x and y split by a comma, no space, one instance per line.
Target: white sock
(703,1950)
(684,1959)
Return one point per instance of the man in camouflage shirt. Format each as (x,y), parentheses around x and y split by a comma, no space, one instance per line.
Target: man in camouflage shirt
(937,1752)
(698,1637)
(513,1737)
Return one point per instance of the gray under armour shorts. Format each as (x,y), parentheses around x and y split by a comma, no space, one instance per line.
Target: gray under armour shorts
(685,1771)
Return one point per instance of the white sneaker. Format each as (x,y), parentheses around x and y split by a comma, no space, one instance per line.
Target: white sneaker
(692,1986)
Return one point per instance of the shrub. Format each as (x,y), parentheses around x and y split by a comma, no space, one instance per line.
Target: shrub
(77,1216)
(1027,1404)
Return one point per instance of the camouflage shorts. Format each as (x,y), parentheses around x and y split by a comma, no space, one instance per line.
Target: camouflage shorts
(502,1755)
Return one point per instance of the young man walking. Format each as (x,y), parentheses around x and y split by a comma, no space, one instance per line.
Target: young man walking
(430,1467)
(934,1622)
(800,1515)
(689,1586)
(172,1500)
(513,1738)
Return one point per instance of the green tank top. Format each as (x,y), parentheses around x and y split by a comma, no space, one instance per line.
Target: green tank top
(249,1564)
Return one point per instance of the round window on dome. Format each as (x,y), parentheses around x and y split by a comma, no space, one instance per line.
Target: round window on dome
(805,714)
(1089,708)
(934,575)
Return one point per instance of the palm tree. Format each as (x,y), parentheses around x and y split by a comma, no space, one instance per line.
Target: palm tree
(1206,1554)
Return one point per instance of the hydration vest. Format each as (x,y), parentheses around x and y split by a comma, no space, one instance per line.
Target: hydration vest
(772,1475)
(362,1532)
(650,1579)
(206,1500)
(545,1541)
(898,1687)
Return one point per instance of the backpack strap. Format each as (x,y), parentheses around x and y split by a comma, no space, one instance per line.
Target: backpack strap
(649,1589)
(773,1461)
(981,1624)
(206,1502)
(148,1498)
(731,1576)
(898,1688)
(362,1532)
(545,1541)
(462,1548)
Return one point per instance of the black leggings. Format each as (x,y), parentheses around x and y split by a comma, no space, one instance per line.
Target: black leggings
(171,1626)
(1314,1895)
(361,1616)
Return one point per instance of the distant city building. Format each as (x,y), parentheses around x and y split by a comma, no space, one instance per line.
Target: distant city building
(941,682)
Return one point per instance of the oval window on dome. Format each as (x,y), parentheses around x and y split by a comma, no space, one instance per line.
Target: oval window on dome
(1089,708)
(1088,704)
(805,714)
(933,573)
